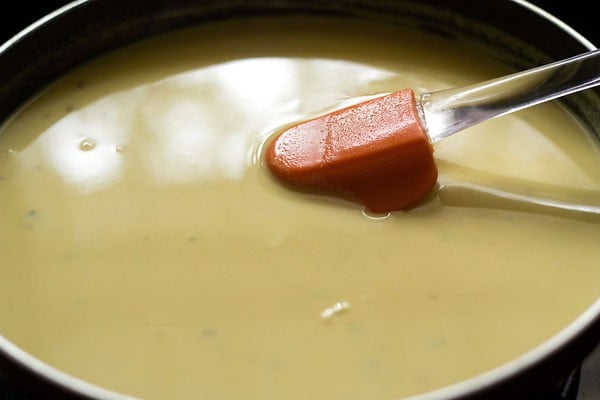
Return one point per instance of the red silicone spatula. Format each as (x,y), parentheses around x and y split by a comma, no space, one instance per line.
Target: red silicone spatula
(379,153)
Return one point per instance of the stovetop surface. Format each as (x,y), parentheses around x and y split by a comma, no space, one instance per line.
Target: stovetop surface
(589,382)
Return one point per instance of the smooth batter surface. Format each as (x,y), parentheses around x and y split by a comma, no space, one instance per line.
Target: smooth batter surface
(145,249)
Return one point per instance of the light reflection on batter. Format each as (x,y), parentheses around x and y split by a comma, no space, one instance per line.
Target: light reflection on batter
(196,126)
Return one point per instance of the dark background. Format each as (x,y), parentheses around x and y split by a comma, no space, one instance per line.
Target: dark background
(576,13)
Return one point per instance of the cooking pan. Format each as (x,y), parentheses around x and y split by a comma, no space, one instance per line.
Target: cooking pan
(521,33)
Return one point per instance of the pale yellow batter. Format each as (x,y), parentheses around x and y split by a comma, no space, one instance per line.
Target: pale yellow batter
(145,249)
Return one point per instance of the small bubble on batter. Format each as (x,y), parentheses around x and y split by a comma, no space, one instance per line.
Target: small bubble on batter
(11,152)
(87,144)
